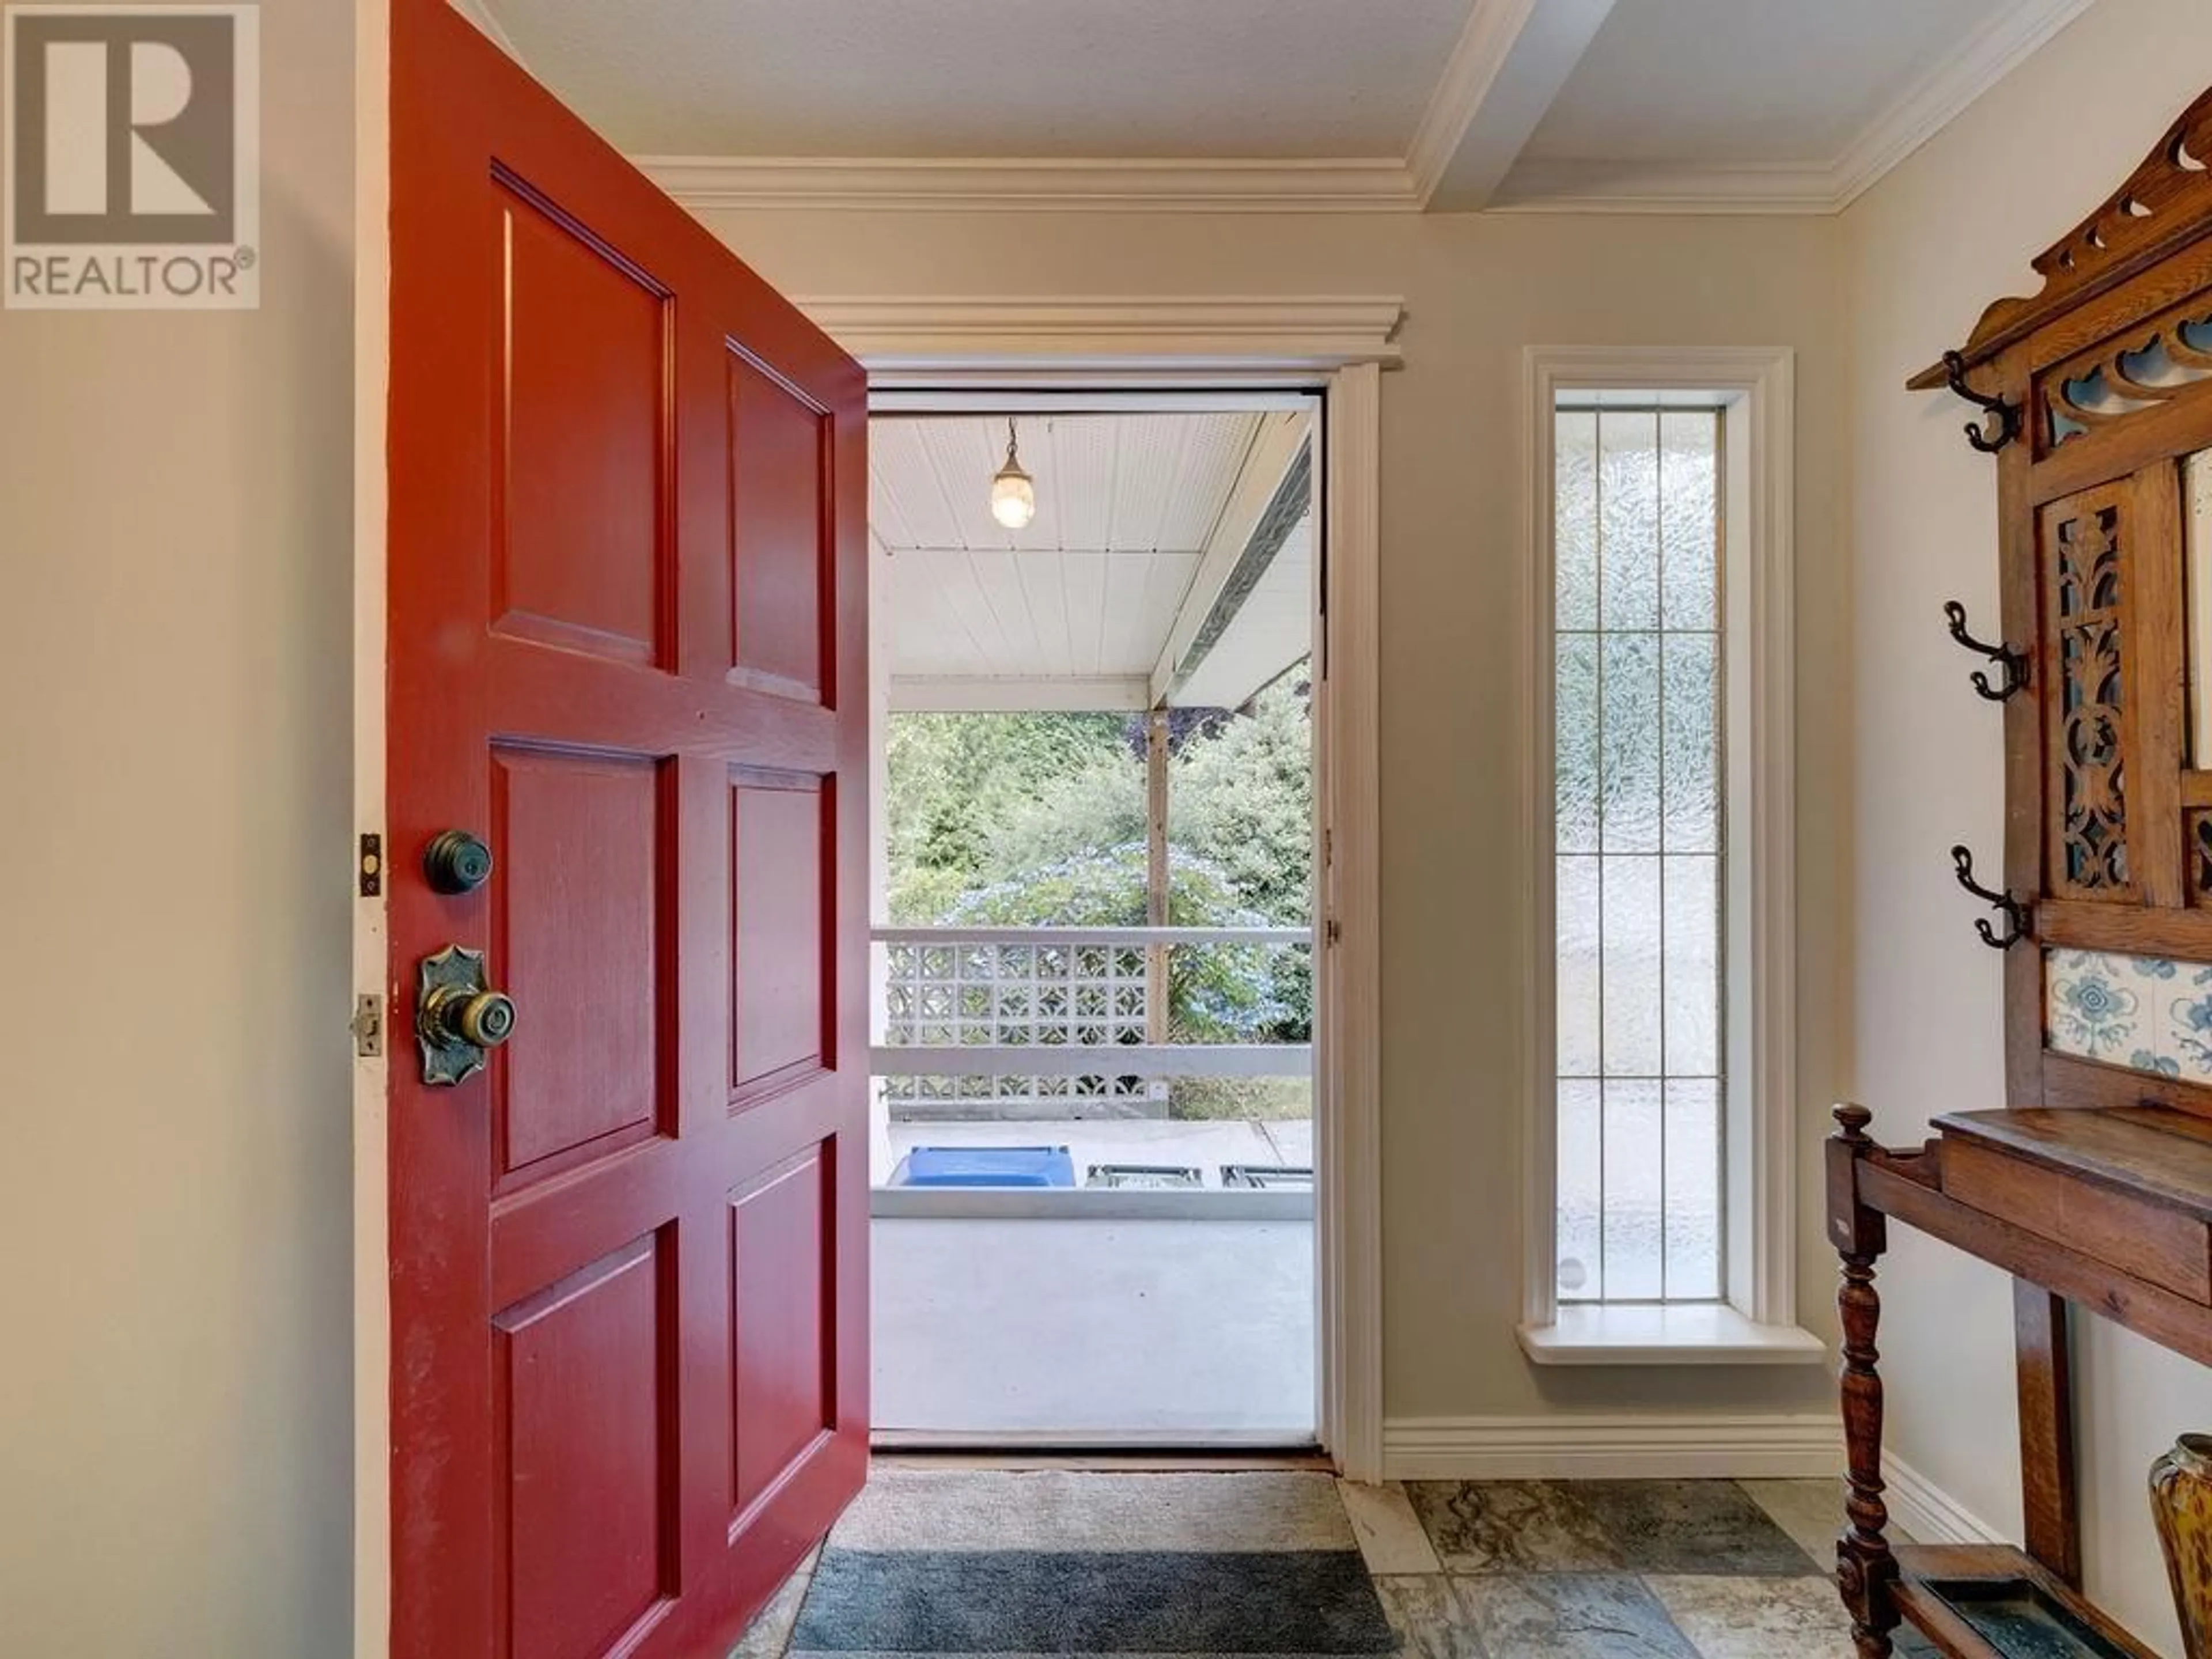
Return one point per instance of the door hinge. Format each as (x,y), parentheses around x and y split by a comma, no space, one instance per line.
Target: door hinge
(1333,932)
(368,1027)
(371,866)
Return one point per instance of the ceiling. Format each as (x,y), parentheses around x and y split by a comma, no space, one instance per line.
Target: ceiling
(1406,104)
(995,77)
(1141,517)
(1720,81)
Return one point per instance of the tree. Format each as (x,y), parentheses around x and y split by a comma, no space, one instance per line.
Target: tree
(1041,818)
(956,780)
(1243,798)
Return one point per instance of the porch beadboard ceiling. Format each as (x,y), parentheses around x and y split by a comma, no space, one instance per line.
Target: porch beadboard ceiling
(1395,105)
(1078,609)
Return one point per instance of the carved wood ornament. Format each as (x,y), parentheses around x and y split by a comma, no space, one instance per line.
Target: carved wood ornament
(2094,1183)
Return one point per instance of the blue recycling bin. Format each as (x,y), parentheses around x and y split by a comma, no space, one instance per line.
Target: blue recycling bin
(986,1166)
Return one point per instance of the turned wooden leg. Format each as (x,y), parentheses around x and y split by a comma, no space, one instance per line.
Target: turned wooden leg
(1865,1569)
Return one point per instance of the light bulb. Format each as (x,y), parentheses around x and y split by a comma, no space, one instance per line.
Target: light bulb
(1013,493)
(1013,499)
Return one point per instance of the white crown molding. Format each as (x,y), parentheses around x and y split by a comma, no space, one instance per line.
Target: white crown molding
(1550,186)
(1926,1514)
(709,183)
(893,334)
(1634,1446)
(1479,104)
(1947,90)
(1925,108)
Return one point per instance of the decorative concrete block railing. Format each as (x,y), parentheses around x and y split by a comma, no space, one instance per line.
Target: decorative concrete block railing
(1047,1023)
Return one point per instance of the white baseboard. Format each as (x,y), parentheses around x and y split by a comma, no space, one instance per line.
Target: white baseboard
(1630,1447)
(1926,1514)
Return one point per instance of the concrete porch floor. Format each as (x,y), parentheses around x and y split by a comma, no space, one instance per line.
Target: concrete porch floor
(1093,1332)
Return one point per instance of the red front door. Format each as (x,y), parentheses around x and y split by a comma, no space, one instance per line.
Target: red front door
(626,655)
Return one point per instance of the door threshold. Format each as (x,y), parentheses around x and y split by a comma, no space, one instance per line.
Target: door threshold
(975,1453)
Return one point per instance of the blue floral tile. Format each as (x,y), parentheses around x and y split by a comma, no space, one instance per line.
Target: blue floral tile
(2147,1013)
(2094,1008)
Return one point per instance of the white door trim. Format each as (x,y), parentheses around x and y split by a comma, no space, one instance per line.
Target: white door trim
(372,1296)
(1336,346)
(1349,1190)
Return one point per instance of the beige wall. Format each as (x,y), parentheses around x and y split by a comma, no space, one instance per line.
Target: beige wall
(1951,229)
(175,540)
(1477,291)
(174,524)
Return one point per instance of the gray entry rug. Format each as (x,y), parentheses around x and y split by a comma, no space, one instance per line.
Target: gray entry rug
(962,1562)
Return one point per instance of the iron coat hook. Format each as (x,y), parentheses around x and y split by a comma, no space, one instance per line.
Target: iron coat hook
(1984,437)
(2012,665)
(2016,914)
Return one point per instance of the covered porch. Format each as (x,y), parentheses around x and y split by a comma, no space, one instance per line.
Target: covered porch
(1093,1147)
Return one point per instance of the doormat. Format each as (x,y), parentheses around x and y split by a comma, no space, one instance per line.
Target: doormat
(968,1562)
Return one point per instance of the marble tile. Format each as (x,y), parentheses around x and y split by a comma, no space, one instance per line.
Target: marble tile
(1572,1615)
(770,1633)
(1810,1512)
(1426,1613)
(1511,1526)
(1390,1535)
(1691,1526)
(1758,1617)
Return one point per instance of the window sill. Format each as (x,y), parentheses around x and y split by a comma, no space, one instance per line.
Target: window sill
(1691,1334)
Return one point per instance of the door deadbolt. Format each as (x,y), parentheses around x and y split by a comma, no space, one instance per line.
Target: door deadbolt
(458,1018)
(456,862)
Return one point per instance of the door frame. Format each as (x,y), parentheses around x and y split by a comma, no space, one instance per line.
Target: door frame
(1337,345)
(1238,347)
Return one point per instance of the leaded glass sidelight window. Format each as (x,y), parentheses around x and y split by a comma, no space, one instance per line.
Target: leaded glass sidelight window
(1639,852)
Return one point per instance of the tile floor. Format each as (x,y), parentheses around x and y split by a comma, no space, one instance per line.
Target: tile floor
(1609,1569)
(1583,1569)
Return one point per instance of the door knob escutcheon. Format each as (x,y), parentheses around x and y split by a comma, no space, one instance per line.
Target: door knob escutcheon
(458,1017)
(456,862)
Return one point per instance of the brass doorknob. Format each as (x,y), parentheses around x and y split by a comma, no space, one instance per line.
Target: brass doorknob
(485,1019)
(458,1017)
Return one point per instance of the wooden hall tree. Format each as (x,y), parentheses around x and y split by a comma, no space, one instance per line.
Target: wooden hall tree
(2095,1185)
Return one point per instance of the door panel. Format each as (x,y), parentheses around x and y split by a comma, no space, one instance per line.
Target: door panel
(577,904)
(783,1252)
(783,828)
(593,1484)
(627,498)
(585,412)
(781,522)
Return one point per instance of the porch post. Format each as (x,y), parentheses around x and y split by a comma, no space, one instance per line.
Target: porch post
(1156,874)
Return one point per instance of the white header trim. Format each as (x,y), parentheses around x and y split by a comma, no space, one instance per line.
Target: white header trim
(985,334)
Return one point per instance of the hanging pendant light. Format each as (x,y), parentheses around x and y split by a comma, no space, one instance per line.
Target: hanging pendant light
(1014,492)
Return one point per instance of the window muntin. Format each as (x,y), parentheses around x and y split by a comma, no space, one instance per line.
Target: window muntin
(1640,851)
